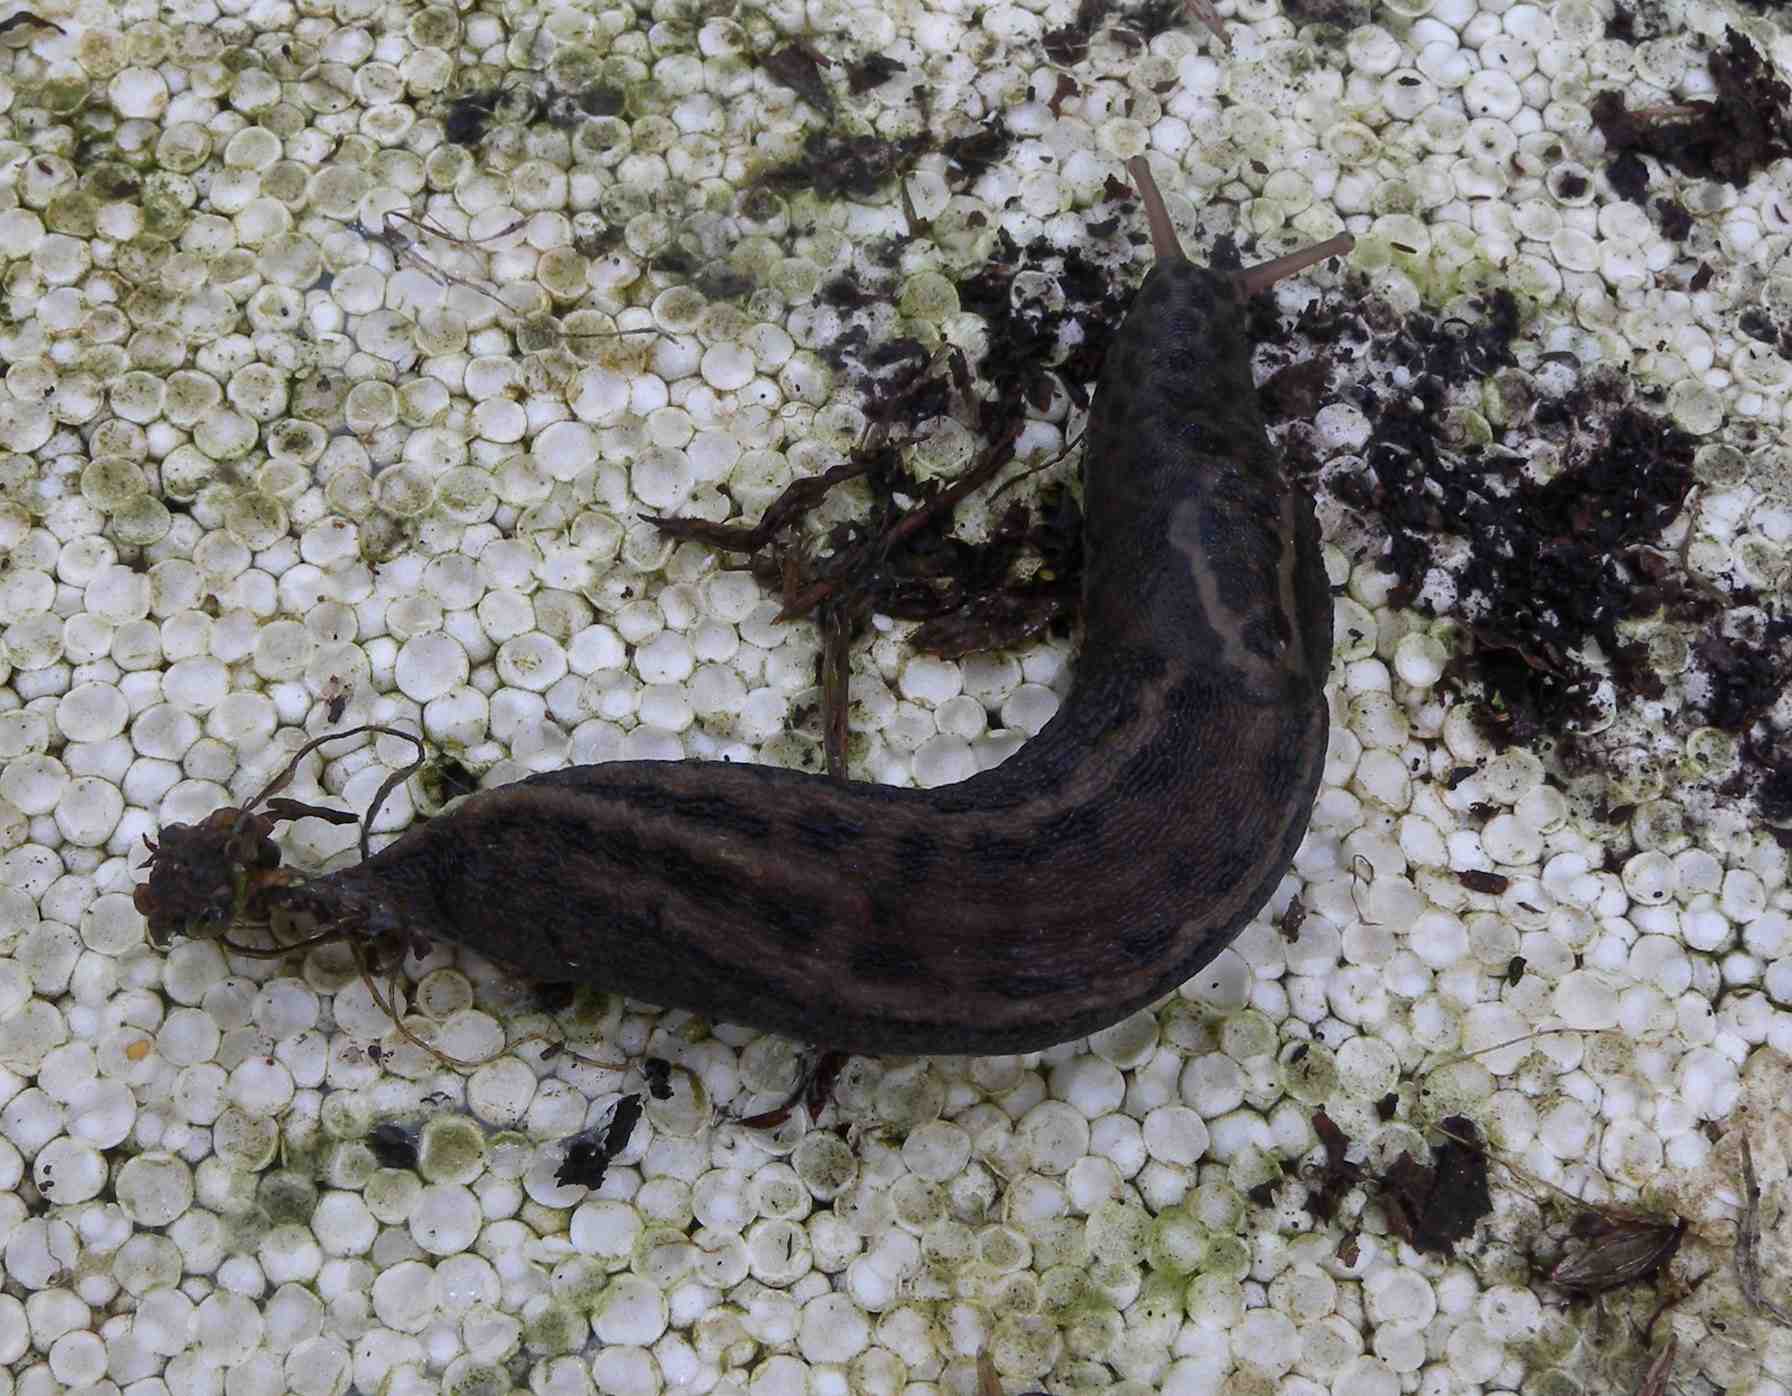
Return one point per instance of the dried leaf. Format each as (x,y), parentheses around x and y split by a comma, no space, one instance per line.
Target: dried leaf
(1621,1249)
(282,808)
(25,17)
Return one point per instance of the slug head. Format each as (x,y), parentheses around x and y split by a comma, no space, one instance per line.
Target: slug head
(1249,281)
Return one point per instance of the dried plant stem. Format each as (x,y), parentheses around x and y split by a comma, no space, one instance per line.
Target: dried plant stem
(1655,1380)
(1748,1242)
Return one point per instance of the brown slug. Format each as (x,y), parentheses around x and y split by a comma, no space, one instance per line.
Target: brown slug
(1116,853)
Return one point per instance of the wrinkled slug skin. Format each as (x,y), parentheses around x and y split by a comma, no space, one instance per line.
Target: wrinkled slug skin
(1113,856)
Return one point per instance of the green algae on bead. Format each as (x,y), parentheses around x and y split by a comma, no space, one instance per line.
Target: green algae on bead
(451,1150)
(111,482)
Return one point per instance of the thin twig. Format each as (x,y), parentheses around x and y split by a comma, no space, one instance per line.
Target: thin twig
(1655,1380)
(287,772)
(388,1003)
(1748,1242)
(1208,14)
(1501,1046)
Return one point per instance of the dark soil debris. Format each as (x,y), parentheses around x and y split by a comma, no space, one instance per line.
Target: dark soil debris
(1153,17)
(1627,26)
(1547,566)
(393,1145)
(600,100)
(1030,339)
(1294,392)
(873,70)
(720,282)
(974,153)
(469,115)
(798,67)
(1336,1176)
(1745,128)
(1746,675)
(588,1155)
(1434,1206)
(1134,25)
(1070,45)
(24,19)
(1758,325)
(1676,221)
(903,559)
(832,165)
(1347,13)
(1568,184)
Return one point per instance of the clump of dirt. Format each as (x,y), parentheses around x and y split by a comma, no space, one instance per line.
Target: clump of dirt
(1347,13)
(1758,325)
(1744,129)
(798,67)
(1548,565)
(1135,25)
(832,165)
(1551,558)
(1433,1205)
(467,119)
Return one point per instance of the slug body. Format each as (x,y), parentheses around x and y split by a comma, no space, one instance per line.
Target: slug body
(1115,854)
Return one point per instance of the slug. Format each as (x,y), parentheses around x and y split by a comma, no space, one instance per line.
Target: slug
(1115,854)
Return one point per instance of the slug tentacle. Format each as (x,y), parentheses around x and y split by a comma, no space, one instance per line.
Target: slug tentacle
(1113,856)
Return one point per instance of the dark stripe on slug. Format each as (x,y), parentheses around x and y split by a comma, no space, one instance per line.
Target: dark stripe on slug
(917,853)
(1286,763)
(888,961)
(681,869)
(1152,771)
(1220,868)
(715,812)
(1027,984)
(1145,944)
(1071,828)
(1006,851)
(885,912)
(826,833)
(796,921)
(644,925)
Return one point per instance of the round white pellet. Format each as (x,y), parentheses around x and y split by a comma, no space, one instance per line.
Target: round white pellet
(92,712)
(69,1170)
(428,666)
(631,1311)
(531,662)
(944,760)
(34,783)
(154,1188)
(446,1219)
